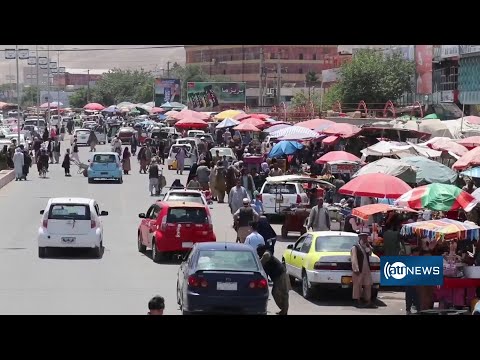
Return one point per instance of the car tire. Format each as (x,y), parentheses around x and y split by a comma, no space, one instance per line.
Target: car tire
(42,252)
(120,181)
(141,248)
(307,290)
(97,251)
(284,232)
(85,173)
(156,256)
(90,180)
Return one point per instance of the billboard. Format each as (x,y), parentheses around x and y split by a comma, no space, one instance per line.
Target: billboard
(167,90)
(423,62)
(216,95)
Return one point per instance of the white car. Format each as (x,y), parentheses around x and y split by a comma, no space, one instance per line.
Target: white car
(82,136)
(71,223)
(194,133)
(189,161)
(280,196)
(188,195)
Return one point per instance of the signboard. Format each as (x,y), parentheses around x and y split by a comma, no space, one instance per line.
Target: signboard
(167,90)
(53,65)
(330,75)
(42,61)
(32,60)
(23,54)
(466,49)
(10,54)
(449,51)
(423,62)
(216,95)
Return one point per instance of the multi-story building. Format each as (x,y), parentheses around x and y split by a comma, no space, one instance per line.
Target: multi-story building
(78,77)
(30,76)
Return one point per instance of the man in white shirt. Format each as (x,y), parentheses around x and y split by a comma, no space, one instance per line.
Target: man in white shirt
(254,239)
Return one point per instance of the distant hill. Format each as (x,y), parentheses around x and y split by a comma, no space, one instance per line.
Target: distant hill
(149,59)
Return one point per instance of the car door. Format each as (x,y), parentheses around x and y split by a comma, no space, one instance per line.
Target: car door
(295,260)
(153,224)
(99,219)
(145,226)
(303,253)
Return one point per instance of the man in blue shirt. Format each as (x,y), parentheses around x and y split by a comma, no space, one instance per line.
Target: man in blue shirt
(254,239)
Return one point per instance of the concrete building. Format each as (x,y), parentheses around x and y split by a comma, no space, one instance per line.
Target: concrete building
(75,78)
(30,76)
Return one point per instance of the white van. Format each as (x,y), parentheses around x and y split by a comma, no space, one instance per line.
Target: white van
(189,161)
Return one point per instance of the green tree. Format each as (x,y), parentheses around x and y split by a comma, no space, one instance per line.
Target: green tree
(311,77)
(123,85)
(332,95)
(79,98)
(29,97)
(375,78)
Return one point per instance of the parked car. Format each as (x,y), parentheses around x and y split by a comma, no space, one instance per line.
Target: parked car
(170,228)
(222,278)
(280,196)
(38,122)
(188,195)
(105,166)
(71,223)
(322,259)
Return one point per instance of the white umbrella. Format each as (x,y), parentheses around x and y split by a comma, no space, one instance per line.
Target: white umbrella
(227,123)
(295,133)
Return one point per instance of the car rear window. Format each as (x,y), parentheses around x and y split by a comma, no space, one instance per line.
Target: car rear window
(227,260)
(280,189)
(335,243)
(221,151)
(191,215)
(69,212)
(84,132)
(104,158)
(196,198)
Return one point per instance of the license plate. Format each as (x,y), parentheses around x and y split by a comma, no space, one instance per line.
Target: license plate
(104,173)
(227,286)
(187,244)
(346,280)
(68,239)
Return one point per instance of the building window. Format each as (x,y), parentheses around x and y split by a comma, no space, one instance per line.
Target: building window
(300,71)
(224,72)
(300,56)
(314,57)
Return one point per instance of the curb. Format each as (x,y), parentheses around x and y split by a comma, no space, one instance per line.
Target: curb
(6,176)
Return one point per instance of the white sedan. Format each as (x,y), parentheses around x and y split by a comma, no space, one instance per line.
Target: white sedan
(82,136)
(71,223)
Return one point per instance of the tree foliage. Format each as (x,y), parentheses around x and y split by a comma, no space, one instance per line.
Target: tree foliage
(375,78)
(79,98)
(29,97)
(311,77)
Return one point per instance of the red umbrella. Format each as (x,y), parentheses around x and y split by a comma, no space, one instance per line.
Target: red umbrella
(259,116)
(471,158)
(472,119)
(246,127)
(344,130)
(191,123)
(186,113)
(253,121)
(157,110)
(94,106)
(470,142)
(337,156)
(241,116)
(375,185)
(315,123)
(446,144)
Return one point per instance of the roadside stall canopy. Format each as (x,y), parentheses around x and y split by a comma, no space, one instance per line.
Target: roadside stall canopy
(94,107)
(389,166)
(431,116)
(470,142)
(375,185)
(470,159)
(246,127)
(442,229)
(330,140)
(195,114)
(392,148)
(389,132)
(297,178)
(342,129)
(285,148)
(260,124)
(315,124)
(276,127)
(446,144)
(434,127)
(364,212)
(157,110)
(295,133)
(337,156)
(173,106)
(430,171)
(438,197)
(240,116)
(227,123)
(191,123)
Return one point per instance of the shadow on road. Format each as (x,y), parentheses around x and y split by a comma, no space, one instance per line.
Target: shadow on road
(72,254)
(173,261)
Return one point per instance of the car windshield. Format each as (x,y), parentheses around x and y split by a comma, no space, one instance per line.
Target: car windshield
(69,212)
(176,149)
(190,197)
(227,260)
(335,243)
(104,158)
(222,151)
(190,215)
(280,189)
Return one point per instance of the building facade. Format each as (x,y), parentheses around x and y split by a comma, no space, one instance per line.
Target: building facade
(78,77)
(30,76)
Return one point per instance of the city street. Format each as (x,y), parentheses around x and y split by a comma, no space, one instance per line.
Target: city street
(124,280)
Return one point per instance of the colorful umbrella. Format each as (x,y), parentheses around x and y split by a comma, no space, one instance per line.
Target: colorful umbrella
(470,159)
(364,212)
(442,229)
(337,156)
(53,104)
(246,127)
(430,172)
(472,119)
(343,130)
(470,142)
(277,127)
(472,172)
(228,114)
(191,123)
(446,144)
(315,123)
(375,185)
(295,133)
(431,116)
(157,110)
(94,106)
(227,123)
(389,166)
(285,148)
(439,197)
(195,114)
(253,121)
(241,116)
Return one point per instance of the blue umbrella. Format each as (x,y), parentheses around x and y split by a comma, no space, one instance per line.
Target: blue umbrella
(161,117)
(285,148)
(473,172)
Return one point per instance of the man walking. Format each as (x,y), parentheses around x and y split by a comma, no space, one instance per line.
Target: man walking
(153,178)
(56,150)
(362,277)
(319,220)
(254,239)
(236,196)
(243,217)
(156,305)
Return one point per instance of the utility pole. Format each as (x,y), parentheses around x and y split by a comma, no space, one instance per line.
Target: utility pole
(18,95)
(48,85)
(279,81)
(260,78)
(168,69)
(58,89)
(88,86)
(38,84)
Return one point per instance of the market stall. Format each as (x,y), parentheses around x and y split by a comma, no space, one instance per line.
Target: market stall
(458,243)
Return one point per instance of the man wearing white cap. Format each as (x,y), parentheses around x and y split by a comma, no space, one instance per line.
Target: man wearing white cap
(243,217)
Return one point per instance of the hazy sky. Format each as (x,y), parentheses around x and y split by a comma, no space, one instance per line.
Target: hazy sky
(122,58)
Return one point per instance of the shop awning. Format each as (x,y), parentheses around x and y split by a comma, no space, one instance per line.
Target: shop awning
(443,229)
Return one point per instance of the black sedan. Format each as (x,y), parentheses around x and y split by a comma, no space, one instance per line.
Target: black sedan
(222,278)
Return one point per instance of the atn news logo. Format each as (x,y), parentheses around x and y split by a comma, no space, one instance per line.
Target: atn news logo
(411,270)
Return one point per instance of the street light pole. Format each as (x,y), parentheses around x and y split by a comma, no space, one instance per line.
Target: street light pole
(48,85)
(58,87)
(88,86)
(18,95)
(38,84)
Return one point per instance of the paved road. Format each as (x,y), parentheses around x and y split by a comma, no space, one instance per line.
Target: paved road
(122,281)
